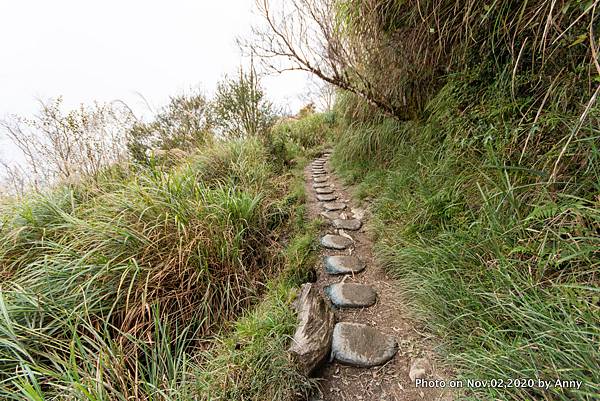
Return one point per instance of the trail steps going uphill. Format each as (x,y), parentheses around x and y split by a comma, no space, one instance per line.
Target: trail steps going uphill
(374,341)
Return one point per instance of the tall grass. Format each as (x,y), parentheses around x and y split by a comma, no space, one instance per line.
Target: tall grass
(109,291)
(501,260)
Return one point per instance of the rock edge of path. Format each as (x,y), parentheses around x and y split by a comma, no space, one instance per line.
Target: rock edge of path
(312,340)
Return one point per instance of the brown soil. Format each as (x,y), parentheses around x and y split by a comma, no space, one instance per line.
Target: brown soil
(390,314)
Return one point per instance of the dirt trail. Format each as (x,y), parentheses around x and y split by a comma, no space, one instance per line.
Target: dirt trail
(391,381)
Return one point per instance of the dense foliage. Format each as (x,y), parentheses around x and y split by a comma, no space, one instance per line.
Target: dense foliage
(487,199)
(114,289)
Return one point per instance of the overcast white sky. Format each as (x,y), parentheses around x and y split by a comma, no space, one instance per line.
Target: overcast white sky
(104,50)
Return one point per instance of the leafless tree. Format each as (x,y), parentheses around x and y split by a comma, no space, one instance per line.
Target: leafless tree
(14,181)
(320,37)
(63,146)
(320,93)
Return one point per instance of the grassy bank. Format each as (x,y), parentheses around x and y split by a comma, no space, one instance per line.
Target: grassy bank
(500,260)
(131,287)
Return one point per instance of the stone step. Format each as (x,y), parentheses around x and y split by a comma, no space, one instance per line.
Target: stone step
(335,242)
(321,185)
(360,345)
(327,198)
(330,215)
(332,206)
(320,179)
(351,295)
(343,264)
(318,173)
(324,191)
(347,224)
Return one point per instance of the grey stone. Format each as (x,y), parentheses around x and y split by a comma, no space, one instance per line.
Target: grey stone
(320,179)
(342,264)
(335,242)
(418,369)
(312,339)
(347,224)
(330,215)
(324,191)
(317,174)
(361,345)
(351,295)
(327,198)
(321,185)
(331,206)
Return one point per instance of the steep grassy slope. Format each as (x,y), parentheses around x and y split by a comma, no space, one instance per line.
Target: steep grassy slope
(130,288)
(501,260)
(487,196)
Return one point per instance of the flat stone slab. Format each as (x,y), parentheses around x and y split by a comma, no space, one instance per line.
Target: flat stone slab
(324,191)
(335,242)
(327,198)
(343,264)
(332,206)
(317,174)
(321,185)
(330,215)
(361,345)
(320,179)
(351,295)
(347,224)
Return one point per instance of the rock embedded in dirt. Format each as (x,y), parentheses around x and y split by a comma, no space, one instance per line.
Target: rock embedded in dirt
(327,198)
(358,213)
(323,191)
(312,339)
(335,242)
(343,264)
(361,345)
(330,215)
(349,224)
(321,185)
(351,295)
(320,179)
(333,206)
(418,369)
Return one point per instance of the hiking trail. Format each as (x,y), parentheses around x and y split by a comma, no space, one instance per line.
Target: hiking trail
(377,349)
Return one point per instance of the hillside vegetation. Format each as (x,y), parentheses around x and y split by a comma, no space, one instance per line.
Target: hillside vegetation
(167,277)
(471,130)
(486,183)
